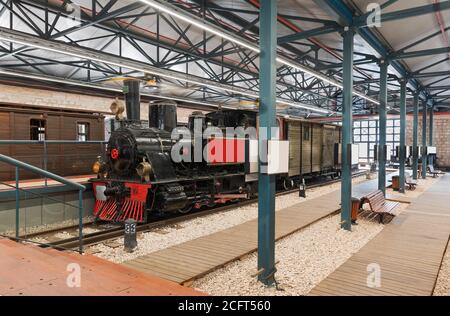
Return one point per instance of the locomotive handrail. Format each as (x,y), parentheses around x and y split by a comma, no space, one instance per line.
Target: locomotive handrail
(22,165)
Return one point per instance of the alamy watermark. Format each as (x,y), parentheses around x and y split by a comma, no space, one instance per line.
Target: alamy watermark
(73,280)
(374,278)
(222,145)
(374,15)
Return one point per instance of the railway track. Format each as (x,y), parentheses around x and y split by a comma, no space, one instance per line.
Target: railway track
(53,231)
(117,232)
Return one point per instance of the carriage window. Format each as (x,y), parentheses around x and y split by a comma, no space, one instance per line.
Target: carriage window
(82,132)
(306,133)
(37,129)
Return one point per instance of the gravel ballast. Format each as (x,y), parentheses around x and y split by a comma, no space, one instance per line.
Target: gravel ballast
(305,258)
(46,227)
(443,282)
(176,234)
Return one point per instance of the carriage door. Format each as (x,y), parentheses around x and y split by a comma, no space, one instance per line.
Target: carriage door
(329,138)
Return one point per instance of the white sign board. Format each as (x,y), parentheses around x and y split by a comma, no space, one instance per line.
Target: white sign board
(355,154)
(253,155)
(278,157)
(431,150)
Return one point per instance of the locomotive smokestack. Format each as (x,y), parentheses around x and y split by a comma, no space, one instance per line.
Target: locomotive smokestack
(162,115)
(133,99)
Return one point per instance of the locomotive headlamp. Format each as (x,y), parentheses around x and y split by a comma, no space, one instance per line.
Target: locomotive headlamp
(143,170)
(98,166)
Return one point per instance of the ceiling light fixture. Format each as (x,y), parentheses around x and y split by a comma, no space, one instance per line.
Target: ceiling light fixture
(168,74)
(206,26)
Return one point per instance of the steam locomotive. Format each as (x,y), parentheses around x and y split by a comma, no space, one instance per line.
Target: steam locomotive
(138,176)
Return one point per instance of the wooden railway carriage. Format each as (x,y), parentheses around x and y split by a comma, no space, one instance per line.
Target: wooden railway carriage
(36,123)
(312,148)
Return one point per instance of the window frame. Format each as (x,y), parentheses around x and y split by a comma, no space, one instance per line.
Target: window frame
(371,130)
(306,132)
(38,128)
(86,134)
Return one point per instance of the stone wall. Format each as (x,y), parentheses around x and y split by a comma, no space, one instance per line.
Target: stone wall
(441,135)
(40,97)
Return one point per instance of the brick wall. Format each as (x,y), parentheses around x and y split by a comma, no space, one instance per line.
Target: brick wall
(32,96)
(441,135)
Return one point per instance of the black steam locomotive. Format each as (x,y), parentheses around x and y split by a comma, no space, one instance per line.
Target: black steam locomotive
(138,174)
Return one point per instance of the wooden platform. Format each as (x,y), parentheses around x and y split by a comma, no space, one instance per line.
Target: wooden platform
(193,259)
(409,251)
(30,270)
(39,183)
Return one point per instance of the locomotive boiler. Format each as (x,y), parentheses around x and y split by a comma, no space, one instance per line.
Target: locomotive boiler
(139,175)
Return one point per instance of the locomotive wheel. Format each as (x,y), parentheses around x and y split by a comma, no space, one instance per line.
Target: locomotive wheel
(288,184)
(185,209)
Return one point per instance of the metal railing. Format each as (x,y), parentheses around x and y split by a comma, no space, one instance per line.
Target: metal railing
(22,165)
(46,143)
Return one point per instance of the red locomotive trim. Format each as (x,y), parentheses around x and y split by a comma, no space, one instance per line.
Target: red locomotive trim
(109,210)
(131,207)
(226,150)
(138,192)
(114,153)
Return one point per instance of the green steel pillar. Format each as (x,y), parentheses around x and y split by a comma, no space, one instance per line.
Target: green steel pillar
(430,133)
(430,142)
(267,112)
(424,140)
(402,134)
(17,204)
(382,125)
(415,136)
(347,130)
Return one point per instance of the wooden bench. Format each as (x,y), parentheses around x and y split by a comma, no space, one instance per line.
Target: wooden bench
(434,172)
(410,182)
(379,205)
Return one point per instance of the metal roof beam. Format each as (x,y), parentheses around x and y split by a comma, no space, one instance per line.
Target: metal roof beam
(423,40)
(363,61)
(361,21)
(344,12)
(419,53)
(104,16)
(84,53)
(116,61)
(307,34)
(432,74)
(439,88)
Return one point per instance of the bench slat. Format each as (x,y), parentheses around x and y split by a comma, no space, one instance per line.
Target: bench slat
(378,203)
